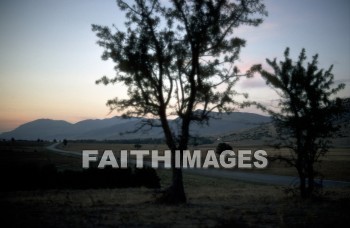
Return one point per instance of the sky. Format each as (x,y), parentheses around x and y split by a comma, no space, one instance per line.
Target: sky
(49,59)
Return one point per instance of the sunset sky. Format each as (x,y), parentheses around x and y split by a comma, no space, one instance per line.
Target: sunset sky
(49,59)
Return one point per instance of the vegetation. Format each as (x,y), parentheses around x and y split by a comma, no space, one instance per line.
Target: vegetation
(221,147)
(212,202)
(172,58)
(308,114)
(137,146)
(32,177)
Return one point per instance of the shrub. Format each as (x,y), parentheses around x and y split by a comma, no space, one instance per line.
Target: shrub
(32,177)
(222,147)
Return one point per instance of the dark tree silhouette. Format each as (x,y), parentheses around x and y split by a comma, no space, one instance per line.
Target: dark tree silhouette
(308,113)
(65,142)
(221,147)
(137,146)
(176,57)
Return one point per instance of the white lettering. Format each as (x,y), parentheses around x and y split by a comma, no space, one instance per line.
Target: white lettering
(108,158)
(231,161)
(260,155)
(211,159)
(123,159)
(242,158)
(139,156)
(191,161)
(87,157)
(166,158)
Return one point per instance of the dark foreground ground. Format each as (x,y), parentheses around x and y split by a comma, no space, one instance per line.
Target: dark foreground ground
(211,202)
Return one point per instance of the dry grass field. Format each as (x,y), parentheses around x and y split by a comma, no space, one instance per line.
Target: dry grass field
(334,166)
(212,202)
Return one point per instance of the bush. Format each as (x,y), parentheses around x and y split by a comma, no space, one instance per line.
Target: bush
(32,177)
(222,147)
(147,177)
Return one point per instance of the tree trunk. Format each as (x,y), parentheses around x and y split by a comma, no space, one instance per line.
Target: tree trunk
(302,186)
(302,178)
(175,194)
(176,190)
(311,181)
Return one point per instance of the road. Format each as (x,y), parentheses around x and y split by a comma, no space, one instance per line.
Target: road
(222,173)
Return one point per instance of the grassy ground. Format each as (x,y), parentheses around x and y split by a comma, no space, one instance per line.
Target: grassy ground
(211,203)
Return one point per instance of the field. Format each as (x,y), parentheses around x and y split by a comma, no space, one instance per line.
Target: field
(334,166)
(212,202)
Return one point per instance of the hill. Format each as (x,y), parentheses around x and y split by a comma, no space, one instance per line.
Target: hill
(121,128)
(265,134)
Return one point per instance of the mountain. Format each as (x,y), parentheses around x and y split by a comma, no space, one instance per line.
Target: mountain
(232,122)
(238,127)
(122,128)
(264,134)
(40,128)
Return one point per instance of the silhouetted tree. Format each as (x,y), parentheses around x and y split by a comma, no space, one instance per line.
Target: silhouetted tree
(221,147)
(308,112)
(65,142)
(176,57)
(137,146)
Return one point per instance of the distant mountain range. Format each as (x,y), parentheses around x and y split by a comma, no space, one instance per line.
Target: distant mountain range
(238,127)
(118,128)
